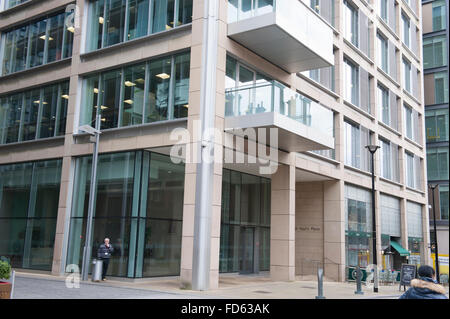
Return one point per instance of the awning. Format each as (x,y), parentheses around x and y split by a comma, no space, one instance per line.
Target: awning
(402,251)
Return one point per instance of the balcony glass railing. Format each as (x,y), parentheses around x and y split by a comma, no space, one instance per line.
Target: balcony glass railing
(244,9)
(275,97)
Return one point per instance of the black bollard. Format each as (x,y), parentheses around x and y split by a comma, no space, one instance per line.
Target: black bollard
(320,283)
(358,281)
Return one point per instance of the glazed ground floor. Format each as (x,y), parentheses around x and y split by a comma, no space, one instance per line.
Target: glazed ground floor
(289,223)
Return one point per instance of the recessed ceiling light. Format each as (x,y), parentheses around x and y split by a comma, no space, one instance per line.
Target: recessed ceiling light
(101,20)
(140,80)
(71,29)
(186,105)
(103,119)
(129,83)
(163,76)
(128,101)
(65,96)
(43,38)
(95,90)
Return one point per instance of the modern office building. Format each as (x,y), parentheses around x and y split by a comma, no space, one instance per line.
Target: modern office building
(294,90)
(436,75)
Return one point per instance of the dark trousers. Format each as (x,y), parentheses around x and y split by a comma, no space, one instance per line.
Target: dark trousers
(105,267)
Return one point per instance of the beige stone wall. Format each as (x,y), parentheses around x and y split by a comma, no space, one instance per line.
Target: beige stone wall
(309,230)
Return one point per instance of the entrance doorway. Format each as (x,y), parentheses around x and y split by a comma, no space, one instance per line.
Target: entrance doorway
(248,250)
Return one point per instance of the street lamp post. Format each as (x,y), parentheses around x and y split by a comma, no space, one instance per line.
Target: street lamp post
(372,149)
(87,243)
(436,253)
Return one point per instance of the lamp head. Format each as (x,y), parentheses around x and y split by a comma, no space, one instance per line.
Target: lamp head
(372,148)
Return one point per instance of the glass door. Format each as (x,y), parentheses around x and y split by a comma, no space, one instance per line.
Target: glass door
(246,250)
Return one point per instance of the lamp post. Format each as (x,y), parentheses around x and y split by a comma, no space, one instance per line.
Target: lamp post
(436,253)
(87,243)
(372,149)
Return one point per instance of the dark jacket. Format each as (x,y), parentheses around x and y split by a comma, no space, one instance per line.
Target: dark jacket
(103,252)
(424,288)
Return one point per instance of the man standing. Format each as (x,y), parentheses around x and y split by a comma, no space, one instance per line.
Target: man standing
(425,287)
(104,253)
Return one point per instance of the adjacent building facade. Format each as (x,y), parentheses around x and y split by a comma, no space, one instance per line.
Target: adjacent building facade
(282,97)
(436,75)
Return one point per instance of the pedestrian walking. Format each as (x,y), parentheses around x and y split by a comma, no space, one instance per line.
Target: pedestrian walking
(104,253)
(426,287)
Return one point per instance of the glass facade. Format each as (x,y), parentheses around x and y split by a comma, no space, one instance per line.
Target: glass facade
(407,75)
(406,33)
(116,21)
(35,114)
(37,43)
(382,52)
(139,206)
(148,92)
(440,87)
(437,163)
(358,226)
(245,214)
(436,122)
(415,237)
(351,82)
(243,9)
(434,52)
(439,15)
(443,198)
(29,195)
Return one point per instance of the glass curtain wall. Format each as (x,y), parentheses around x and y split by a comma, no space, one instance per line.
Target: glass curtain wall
(434,52)
(138,205)
(245,204)
(358,226)
(29,195)
(153,91)
(437,163)
(437,124)
(390,231)
(40,42)
(415,234)
(35,114)
(116,21)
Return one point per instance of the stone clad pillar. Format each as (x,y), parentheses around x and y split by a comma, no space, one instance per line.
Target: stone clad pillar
(282,224)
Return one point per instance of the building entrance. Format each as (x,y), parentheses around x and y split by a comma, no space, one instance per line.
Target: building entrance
(248,250)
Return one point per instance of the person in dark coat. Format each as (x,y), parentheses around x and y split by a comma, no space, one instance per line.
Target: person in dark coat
(104,253)
(425,287)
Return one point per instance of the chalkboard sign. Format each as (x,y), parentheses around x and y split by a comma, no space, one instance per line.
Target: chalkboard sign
(407,274)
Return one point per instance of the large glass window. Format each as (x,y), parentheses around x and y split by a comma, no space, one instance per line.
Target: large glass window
(439,15)
(35,114)
(408,122)
(437,122)
(40,42)
(356,139)
(389,160)
(245,206)
(413,171)
(358,226)
(139,206)
(437,163)
(12,3)
(443,197)
(29,195)
(351,23)
(383,104)
(382,52)
(406,34)
(116,21)
(351,82)
(441,87)
(434,52)
(148,92)
(407,75)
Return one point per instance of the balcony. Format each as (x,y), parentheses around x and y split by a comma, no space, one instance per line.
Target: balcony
(302,124)
(285,32)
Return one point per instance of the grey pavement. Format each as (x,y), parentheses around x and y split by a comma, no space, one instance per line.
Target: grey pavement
(39,286)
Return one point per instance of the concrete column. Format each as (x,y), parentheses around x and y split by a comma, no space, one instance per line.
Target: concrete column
(334,230)
(282,228)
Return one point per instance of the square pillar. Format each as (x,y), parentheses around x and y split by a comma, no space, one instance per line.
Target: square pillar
(282,228)
(334,230)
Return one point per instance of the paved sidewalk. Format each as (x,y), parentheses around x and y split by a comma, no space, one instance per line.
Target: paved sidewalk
(231,286)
